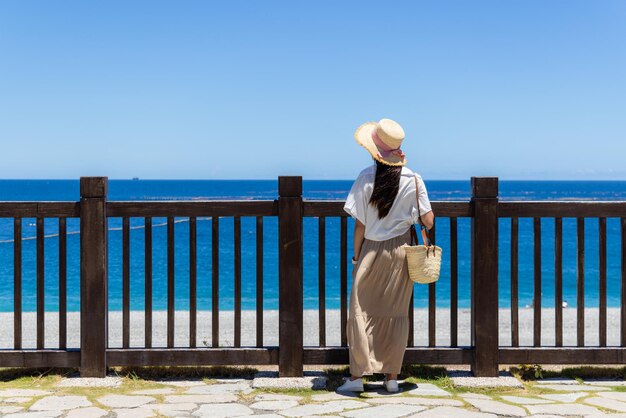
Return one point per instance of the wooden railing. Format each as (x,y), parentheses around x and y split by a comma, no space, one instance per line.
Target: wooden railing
(483,353)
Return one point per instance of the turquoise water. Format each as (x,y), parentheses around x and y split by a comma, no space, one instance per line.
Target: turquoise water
(55,190)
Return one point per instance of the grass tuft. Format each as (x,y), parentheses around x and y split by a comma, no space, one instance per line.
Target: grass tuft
(422,371)
(194,372)
(13,373)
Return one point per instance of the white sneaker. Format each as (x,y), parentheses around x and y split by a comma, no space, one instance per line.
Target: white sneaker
(355,385)
(391,385)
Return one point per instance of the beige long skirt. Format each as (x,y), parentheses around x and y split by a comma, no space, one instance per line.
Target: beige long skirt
(378,318)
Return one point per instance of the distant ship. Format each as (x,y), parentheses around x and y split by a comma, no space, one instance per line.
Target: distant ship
(135,178)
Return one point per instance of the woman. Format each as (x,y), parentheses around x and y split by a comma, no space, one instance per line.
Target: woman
(383,202)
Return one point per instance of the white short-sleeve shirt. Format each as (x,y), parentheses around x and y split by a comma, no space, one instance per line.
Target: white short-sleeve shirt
(403,212)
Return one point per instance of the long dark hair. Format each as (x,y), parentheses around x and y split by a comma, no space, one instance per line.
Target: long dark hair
(386,186)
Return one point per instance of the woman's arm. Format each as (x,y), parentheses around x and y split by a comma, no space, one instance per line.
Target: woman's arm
(359,236)
(428,219)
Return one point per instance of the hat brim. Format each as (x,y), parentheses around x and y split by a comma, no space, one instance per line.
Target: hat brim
(363,137)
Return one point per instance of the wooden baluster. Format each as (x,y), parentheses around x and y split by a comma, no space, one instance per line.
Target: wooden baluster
(558,280)
(193,267)
(259,281)
(148,281)
(321,282)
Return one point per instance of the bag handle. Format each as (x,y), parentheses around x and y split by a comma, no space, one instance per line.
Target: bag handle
(423,228)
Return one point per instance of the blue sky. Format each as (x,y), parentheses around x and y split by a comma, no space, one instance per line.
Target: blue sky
(256,89)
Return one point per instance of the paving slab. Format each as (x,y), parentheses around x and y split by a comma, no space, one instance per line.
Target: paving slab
(545,416)
(223,410)
(311,409)
(212,398)
(499,408)
(159,391)
(467,380)
(218,388)
(89,412)
(125,401)
(452,412)
(91,382)
(181,383)
(608,403)
(39,414)
(470,395)
(279,397)
(17,399)
(231,380)
(170,406)
(565,409)
(133,413)
(575,388)
(427,389)
(557,381)
(306,382)
(273,405)
(564,397)
(383,411)
(10,409)
(600,382)
(318,416)
(618,396)
(521,400)
(414,400)
(60,403)
(331,396)
(348,404)
(380,392)
(278,416)
(171,410)
(9,393)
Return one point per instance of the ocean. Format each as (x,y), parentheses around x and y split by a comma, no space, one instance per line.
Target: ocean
(154,190)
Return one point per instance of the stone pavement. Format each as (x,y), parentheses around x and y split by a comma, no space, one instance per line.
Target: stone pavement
(260,397)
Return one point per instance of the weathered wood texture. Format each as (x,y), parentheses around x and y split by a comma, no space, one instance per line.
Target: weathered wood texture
(484,275)
(62,283)
(259,281)
(171,296)
(558,280)
(290,276)
(412,355)
(193,267)
(514,283)
(17,283)
(148,281)
(40,358)
(321,280)
(454,283)
(537,283)
(192,356)
(40,285)
(195,208)
(572,209)
(93,276)
(39,209)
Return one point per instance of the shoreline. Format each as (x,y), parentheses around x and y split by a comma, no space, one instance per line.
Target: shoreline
(311,330)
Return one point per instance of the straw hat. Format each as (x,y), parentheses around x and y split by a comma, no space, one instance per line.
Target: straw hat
(383,141)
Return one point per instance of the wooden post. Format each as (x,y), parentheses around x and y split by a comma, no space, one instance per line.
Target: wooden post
(93,276)
(290,341)
(484,267)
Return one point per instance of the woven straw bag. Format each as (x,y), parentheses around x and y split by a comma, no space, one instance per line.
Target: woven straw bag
(423,261)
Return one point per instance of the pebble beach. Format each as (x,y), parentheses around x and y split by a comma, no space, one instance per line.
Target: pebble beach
(311,328)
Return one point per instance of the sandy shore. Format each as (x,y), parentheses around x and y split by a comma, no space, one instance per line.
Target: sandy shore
(311,328)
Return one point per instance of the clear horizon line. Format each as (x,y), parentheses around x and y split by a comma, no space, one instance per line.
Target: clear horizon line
(304,179)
